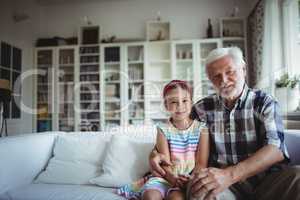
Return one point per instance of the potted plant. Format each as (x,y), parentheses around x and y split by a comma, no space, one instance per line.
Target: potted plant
(287,92)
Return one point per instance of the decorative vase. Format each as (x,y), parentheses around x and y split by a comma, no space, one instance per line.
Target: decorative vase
(288,99)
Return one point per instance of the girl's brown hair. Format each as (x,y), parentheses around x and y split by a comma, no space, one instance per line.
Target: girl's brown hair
(175,84)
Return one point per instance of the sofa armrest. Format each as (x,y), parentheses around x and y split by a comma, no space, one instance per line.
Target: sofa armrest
(292,140)
(23,157)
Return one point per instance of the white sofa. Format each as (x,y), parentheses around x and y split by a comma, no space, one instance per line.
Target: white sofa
(22,158)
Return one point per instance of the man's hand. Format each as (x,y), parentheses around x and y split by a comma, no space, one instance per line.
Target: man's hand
(156,161)
(209,182)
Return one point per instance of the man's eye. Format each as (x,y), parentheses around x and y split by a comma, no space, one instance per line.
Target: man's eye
(215,77)
(185,100)
(231,72)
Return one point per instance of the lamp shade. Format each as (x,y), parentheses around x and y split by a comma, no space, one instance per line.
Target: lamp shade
(5,92)
(4,84)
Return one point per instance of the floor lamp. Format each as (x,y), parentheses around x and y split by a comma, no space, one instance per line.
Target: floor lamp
(5,97)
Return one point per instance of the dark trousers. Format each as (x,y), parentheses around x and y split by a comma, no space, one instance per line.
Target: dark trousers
(281,185)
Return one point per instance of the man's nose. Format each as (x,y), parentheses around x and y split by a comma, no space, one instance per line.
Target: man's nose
(224,78)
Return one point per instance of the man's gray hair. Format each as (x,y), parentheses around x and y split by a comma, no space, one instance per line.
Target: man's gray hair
(234,52)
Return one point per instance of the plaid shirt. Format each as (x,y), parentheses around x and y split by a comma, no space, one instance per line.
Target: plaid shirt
(236,134)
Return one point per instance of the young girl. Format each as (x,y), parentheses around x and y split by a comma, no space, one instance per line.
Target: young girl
(179,140)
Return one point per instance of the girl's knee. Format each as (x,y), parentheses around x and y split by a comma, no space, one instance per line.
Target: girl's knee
(176,195)
(152,195)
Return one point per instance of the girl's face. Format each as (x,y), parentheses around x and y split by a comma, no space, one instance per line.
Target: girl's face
(178,103)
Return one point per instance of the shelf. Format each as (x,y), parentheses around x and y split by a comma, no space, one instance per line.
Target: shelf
(90,63)
(112,100)
(89,54)
(90,92)
(89,82)
(66,65)
(66,82)
(112,119)
(112,63)
(136,81)
(184,60)
(89,111)
(89,120)
(135,62)
(233,39)
(89,45)
(89,101)
(112,82)
(137,100)
(160,62)
(136,118)
(89,73)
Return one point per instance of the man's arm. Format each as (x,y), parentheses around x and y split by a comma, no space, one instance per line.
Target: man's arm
(260,161)
(216,180)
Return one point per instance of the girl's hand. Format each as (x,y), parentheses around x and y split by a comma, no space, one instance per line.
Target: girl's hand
(182,181)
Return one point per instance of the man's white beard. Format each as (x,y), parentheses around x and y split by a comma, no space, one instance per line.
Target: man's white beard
(232,92)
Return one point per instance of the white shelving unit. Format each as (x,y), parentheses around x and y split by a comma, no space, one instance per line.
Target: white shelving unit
(94,86)
(55,88)
(158,73)
(134,63)
(112,77)
(89,77)
(233,32)
(158,30)
(202,86)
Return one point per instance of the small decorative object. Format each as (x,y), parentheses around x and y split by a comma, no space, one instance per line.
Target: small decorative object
(158,18)
(287,92)
(160,35)
(209,30)
(235,11)
(86,20)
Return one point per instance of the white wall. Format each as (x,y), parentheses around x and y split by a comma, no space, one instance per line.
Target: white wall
(126,18)
(123,18)
(21,35)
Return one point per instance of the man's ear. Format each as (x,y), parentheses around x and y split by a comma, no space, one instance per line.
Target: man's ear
(244,71)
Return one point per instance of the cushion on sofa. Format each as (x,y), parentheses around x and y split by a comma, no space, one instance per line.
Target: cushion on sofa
(126,161)
(60,192)
(77,158)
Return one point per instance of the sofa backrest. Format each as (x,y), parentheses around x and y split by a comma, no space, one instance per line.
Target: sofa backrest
(292,139)
(23,157)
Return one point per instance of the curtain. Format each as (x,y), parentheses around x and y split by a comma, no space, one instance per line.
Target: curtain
(255,28)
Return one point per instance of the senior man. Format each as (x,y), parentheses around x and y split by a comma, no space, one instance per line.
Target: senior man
(248,156)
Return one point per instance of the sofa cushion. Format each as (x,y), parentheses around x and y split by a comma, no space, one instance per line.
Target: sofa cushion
(126,161)
(23,157)
(60,192)
(77,158)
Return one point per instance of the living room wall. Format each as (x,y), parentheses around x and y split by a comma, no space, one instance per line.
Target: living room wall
(127,18)
(123,18)
(20,34)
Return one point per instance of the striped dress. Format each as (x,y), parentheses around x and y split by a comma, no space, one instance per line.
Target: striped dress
(183,147)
